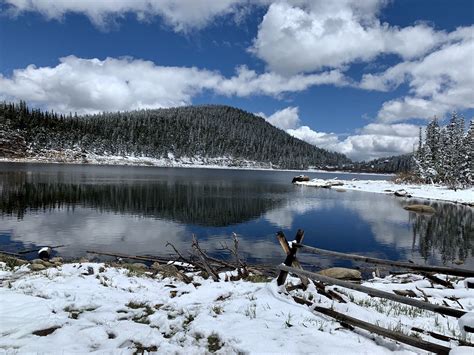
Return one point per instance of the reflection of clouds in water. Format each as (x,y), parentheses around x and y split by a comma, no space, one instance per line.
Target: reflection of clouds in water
(284,216)
(84,229)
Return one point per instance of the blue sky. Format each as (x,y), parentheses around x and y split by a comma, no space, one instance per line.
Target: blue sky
(357,77)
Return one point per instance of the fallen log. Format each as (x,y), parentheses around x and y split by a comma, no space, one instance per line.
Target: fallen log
(403,338)
(457,313)
(9,253)
(125,256)
(38,249)
(401,264)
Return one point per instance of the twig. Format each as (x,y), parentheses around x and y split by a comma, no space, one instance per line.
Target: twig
(202,256)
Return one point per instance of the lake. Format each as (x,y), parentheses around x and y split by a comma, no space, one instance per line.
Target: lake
(137,210)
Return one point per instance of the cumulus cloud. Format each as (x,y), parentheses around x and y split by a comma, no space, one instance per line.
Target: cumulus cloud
(372,141)
(93,85)
(440,82)
(180,15)
(285,119)
(306,36)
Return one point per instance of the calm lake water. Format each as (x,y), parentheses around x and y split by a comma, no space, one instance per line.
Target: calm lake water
(136,210)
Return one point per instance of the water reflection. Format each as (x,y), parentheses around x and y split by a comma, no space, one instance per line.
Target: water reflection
(137,211)
(450,232)
(217,204)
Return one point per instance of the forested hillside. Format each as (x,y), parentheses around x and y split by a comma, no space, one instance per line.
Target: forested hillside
(393,164)
(204,131)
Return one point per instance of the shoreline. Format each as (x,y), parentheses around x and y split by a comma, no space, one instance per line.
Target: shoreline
(169,164)
(387,187)
(108,308)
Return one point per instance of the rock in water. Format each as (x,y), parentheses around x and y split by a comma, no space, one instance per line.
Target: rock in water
(341,273)
(420,208)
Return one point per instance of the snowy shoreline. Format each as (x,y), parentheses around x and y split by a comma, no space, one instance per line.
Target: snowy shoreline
(109,309)
(169,163)
(431,192)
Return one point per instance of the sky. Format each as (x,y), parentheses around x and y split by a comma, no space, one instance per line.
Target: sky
(353,76)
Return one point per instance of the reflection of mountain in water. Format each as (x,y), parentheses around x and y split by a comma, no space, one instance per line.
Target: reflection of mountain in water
(216,204)
(450,231)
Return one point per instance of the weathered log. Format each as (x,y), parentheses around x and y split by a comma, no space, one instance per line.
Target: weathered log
(437,280)
(441,336)
(291,257)
(457,313)
(403,338)
(125,256)
(9,253)
(401,264)
(38,249)
(286,248)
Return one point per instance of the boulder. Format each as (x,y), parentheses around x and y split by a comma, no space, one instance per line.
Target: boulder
(139,266)
(420,208)
(341,273)
(37,267)
(56,259)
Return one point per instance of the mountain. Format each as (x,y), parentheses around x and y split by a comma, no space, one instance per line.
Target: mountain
(205,132)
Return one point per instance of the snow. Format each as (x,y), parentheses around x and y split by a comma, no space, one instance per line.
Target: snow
(435,192)
(116,311)
(466,320)
(170,161)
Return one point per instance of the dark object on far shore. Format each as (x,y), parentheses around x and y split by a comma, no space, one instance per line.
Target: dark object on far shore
(300,178)
(45,253)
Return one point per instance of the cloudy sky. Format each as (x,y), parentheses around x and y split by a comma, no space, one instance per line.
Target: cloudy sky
(354,76)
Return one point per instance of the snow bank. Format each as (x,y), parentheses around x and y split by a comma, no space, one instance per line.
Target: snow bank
(435,192)
(68,309)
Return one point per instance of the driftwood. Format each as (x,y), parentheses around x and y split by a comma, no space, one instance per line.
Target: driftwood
(354,322)
(9,253)
(457,313)
(401,264)
(437,280)
(38,249)
(441,336)
(125,256)
(210,271)
(286,248)
(290,257)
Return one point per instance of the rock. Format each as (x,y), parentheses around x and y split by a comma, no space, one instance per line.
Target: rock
(42,262)
(173,272)
(156,265)
(401,193)
(339,189)
(45,253)
(83,260)
(56,259)
(420,208)
(37,267)
(341,273)
(139,266)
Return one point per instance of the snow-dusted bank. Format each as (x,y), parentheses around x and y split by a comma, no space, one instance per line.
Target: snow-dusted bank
(435,192)
(94,307)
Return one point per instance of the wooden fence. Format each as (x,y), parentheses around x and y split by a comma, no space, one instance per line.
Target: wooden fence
(292,265)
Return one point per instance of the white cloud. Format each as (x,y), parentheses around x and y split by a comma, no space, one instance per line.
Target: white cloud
(305,36)
(248,82)
(319,139)
(285,119)
(372,141)
(93,85)
(182,15)
(438,83)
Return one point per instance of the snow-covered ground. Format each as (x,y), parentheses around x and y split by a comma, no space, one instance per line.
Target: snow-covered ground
(93,307)
(435,192)
(170,161)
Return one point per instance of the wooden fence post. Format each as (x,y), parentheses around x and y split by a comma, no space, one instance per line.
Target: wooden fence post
(291,256)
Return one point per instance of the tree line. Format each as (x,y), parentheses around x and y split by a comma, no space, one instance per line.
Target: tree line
(205,131)
(446,154)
